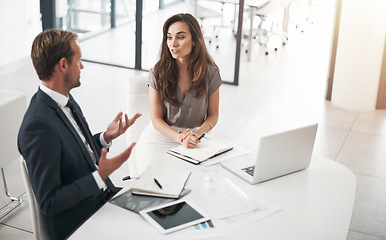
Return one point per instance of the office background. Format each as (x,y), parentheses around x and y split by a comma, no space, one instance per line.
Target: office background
(283,88)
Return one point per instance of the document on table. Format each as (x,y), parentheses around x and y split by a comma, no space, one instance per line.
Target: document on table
(225,202)
(222,199)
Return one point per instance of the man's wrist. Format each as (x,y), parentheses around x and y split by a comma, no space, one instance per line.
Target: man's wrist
(105,142)
(99,180)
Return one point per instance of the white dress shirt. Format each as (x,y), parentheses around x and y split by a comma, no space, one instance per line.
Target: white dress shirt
(62,100)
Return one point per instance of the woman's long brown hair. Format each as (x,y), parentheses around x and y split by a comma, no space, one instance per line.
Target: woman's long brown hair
(166,69)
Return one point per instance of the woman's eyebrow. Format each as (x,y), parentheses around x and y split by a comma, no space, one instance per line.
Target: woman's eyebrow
(177,33)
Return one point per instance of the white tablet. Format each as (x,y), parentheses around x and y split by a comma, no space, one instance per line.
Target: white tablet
(174,216)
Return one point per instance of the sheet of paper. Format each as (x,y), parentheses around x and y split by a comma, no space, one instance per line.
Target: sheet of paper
(231,207)
(222,199)
(266,209)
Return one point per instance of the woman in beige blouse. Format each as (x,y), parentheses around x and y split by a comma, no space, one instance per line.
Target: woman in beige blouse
(183,91)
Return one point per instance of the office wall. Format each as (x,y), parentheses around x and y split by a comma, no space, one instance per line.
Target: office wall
(19,24)
(359,56)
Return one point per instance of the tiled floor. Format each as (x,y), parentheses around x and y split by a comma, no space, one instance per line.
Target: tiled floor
(277,91)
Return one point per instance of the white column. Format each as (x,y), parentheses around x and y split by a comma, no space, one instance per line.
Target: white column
(19,23)
(359,54)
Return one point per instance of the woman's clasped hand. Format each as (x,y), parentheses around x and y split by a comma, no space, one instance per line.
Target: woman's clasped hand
(188,138)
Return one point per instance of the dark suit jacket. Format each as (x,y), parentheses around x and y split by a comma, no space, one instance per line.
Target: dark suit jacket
(60,167)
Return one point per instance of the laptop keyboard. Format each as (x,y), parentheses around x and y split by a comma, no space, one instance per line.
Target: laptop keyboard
(250,170)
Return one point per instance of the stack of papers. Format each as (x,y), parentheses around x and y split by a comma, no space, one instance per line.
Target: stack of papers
(171,182)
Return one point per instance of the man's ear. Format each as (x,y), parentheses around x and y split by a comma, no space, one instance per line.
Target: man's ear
(62,64)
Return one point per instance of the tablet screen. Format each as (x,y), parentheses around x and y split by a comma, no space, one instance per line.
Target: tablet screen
(175,215)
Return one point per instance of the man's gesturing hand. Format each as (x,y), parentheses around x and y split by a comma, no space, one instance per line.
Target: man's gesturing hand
(108,165)
(117,127)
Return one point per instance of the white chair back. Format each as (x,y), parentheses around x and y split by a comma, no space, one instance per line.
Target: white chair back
(138,102)
(37,223)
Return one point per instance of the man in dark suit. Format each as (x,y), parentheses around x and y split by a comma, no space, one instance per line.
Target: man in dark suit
(68,169)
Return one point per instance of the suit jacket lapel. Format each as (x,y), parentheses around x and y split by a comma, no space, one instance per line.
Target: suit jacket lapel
(51,103)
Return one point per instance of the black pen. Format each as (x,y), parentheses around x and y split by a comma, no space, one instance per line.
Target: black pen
(203,135)
(126,178)
(159,184)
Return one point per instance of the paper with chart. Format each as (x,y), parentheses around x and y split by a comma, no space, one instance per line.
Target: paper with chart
(224,201)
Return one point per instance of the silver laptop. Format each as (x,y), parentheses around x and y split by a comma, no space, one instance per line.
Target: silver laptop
(278,155)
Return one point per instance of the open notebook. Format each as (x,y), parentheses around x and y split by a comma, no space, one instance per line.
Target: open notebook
(170,182)
(208,148)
